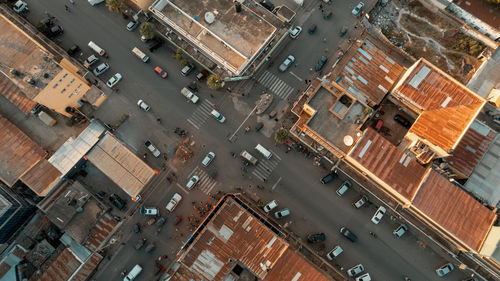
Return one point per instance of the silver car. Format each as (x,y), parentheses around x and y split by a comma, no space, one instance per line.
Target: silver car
(208,159)
(283,213)
(286,63)
(113,80)
(192,182)
(100,69)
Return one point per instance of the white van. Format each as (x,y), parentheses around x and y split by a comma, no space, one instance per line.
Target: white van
(96,48)
(140,54)
(95,2)
(133,273)
(264,151)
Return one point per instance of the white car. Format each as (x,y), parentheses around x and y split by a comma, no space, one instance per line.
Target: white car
(149,211)
(379,214)
(271,205)
(152,148)
(100,69)
(364,277)
(358,8)
(174,202)
(283,213)
(208,159)
(20,7)
(143,105)
(398,232)
(294,33)
(445,269)
(113,80)
(286,64)
(334,253)
(218,116)
(355,270)
(192,182)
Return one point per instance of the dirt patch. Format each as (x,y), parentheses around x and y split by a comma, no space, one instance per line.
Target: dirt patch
(423,33)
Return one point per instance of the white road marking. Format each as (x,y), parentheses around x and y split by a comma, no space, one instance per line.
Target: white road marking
(295,75)
(182,188)
(193,124)
(276,184)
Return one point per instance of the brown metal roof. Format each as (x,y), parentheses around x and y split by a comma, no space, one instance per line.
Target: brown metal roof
(11,92)
(235,235)
(100,232)
(61,268)
(471,148)
(487,11)
(391,165)
(446,106)
(370,71)
(41,178)
(18,153)
(88,267)
(121,165)
(456,211)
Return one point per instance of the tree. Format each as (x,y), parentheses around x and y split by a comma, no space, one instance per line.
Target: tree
(213,82)
(115,6)
(147,30)
(281,135)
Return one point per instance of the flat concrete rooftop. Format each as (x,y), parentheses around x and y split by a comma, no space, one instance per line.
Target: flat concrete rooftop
(328,125)
(232,39)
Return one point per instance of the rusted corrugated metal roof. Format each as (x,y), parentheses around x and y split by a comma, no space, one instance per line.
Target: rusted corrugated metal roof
(41,178)
(121,165)
(11,92)
(455,210)
(61,268)
(391,165)
(472,147)
(235,235)
(88,267)
(100,232)
(446,106)
(18,153)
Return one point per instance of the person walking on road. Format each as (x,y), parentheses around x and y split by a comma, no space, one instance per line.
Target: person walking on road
(66,8)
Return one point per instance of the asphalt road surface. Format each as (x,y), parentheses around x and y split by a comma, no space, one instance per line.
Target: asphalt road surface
(291,178)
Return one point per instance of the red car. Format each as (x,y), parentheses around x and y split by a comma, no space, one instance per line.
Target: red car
(200,76)
(163,74)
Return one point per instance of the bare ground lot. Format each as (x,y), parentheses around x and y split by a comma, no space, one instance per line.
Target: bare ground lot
(421,32)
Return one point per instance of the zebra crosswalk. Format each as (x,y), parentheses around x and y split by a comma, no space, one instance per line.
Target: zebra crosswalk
(206,183)
(201,114)
(275,85)
(265,167)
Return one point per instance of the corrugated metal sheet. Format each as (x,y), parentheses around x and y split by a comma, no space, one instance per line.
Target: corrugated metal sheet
(41,178)
(11,92)
(61,268)
(121,165)
(87,268)
(100,232)
(455,210)
(18,153)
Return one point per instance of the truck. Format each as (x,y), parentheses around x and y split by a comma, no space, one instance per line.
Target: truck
(140,54)
(174,202)
(97,49)
(47,119)
(247,156)
(189,95)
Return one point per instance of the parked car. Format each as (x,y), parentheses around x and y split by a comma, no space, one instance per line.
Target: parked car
(20,7)
(48,22)
(400,230)
(73,49)
(143,105)
(358,8)
(113,80)
(155,45)
(267,4)
(36,109)
(281,214)
(334,252)
(403,121)
(321,63)
(269,206)
(132,25)
(117,201)
(364,277)
(348,234)
(163,74)
(202,75)
(149,211)
(176,199)
(218,116)
(187,69)
(192,182)
(343,188)
(152,148)
(317,237)
(360,202)
(379,214)
(140,243)
(355,270)
(208,159)
(445,269)
(100,69)
(295,32)
(95,2)
(90,61)
(56,30)
(286,63)
(328,178)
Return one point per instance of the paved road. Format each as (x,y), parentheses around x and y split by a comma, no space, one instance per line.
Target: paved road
(291,178)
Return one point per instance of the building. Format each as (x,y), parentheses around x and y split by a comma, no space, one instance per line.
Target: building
(14,213)
(34,70)
(232,38)
(235,242)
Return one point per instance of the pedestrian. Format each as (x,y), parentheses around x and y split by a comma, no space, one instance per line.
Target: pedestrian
(66,8)
(72,2)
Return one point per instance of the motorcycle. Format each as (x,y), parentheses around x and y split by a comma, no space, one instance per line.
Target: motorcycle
(373,234)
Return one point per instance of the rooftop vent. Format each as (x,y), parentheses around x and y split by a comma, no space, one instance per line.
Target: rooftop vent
(209,17)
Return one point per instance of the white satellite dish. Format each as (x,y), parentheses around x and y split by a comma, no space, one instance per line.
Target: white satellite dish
(348,140)
(209,17)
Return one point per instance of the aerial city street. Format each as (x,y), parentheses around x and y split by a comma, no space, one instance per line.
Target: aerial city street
(249,140)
